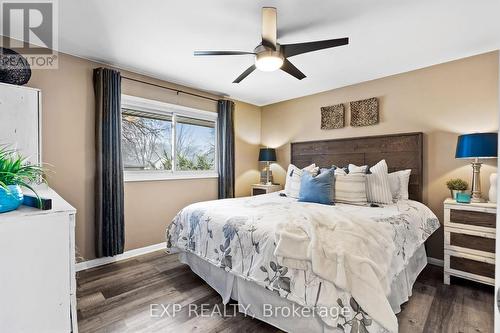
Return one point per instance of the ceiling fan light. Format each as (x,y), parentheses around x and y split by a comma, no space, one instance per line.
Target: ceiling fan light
(268,63)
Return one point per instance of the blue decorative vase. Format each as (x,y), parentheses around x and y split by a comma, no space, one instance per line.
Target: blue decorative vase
(10,199)
(463,197)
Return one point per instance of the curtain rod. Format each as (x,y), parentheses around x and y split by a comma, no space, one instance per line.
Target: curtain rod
(168,88)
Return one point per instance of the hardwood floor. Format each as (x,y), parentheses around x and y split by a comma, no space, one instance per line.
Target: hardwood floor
(118,297)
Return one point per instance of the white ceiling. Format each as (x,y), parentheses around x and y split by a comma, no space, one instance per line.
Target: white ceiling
(158,37)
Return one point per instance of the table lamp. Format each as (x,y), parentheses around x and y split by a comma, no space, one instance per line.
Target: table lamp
(267,155)
(477,146)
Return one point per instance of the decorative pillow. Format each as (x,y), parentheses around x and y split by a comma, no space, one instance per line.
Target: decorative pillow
(378,189)
(316,189)
(398,182)
(341,170)
(395,185)
(357,169)
(292,182)
(351,189)
(333,169)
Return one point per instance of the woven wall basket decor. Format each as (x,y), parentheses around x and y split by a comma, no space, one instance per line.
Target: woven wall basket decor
(364,112)
(332,116)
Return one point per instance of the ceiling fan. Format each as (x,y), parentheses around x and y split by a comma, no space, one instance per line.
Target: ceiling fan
(270,55)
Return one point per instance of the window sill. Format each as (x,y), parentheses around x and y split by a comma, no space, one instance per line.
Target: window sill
(146,176)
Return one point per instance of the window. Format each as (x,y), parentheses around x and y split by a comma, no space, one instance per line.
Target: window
(164,141)
(146,141)
(194,144)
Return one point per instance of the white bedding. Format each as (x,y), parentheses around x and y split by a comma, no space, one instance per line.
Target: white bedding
(250,296)
(345,249)
(238,235)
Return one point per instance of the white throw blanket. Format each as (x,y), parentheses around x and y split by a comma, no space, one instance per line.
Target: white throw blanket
(350,251)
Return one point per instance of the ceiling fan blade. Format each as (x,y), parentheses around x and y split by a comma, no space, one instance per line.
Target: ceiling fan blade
(292,70)
(244,74)
(290,50)
(269,27)
(212,53)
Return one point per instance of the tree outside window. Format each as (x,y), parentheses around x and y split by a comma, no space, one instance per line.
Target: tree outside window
(147,142)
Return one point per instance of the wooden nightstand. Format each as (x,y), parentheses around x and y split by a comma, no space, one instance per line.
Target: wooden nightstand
(264,189)
(469,241)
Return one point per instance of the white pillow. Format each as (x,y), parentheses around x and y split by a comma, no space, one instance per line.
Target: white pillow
(378,189)
(293,175)
(395,185)
(357,169)
(340,172)
(350,188)
(398,181)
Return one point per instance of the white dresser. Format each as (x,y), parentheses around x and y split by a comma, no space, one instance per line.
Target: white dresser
(469,241)
(37,248)
(37,272)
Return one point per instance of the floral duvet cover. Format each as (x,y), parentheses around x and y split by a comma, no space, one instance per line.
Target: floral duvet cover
(238,236)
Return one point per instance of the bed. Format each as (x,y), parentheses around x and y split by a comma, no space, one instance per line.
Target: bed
(231,243)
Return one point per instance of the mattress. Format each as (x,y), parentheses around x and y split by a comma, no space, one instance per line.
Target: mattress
(236,236)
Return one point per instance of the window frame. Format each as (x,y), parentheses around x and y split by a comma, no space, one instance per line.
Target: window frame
(173,110)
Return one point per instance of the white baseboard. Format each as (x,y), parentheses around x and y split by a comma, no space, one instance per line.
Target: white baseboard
(435,262)
(81,266)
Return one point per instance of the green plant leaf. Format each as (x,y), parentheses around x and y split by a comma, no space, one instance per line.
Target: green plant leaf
(39,200)
(14,170)
(457,184)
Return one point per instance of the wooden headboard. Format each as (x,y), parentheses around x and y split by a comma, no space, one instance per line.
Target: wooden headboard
(401,151)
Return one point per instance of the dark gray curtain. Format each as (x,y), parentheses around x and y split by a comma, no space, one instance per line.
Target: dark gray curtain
(109,221)
(225,145)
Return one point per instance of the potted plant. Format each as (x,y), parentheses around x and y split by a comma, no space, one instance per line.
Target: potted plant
(14,173)
(456,185)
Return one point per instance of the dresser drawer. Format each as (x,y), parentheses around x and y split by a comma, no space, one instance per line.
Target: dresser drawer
(472,242)
(472,267)
(479,219)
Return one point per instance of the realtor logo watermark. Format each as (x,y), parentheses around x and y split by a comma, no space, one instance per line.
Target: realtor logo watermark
(33,30)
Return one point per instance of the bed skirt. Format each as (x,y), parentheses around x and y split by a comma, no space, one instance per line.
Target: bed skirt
(251,296)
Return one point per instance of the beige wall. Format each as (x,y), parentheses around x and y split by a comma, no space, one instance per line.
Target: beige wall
(247,143)
(68,145)
(442,101)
